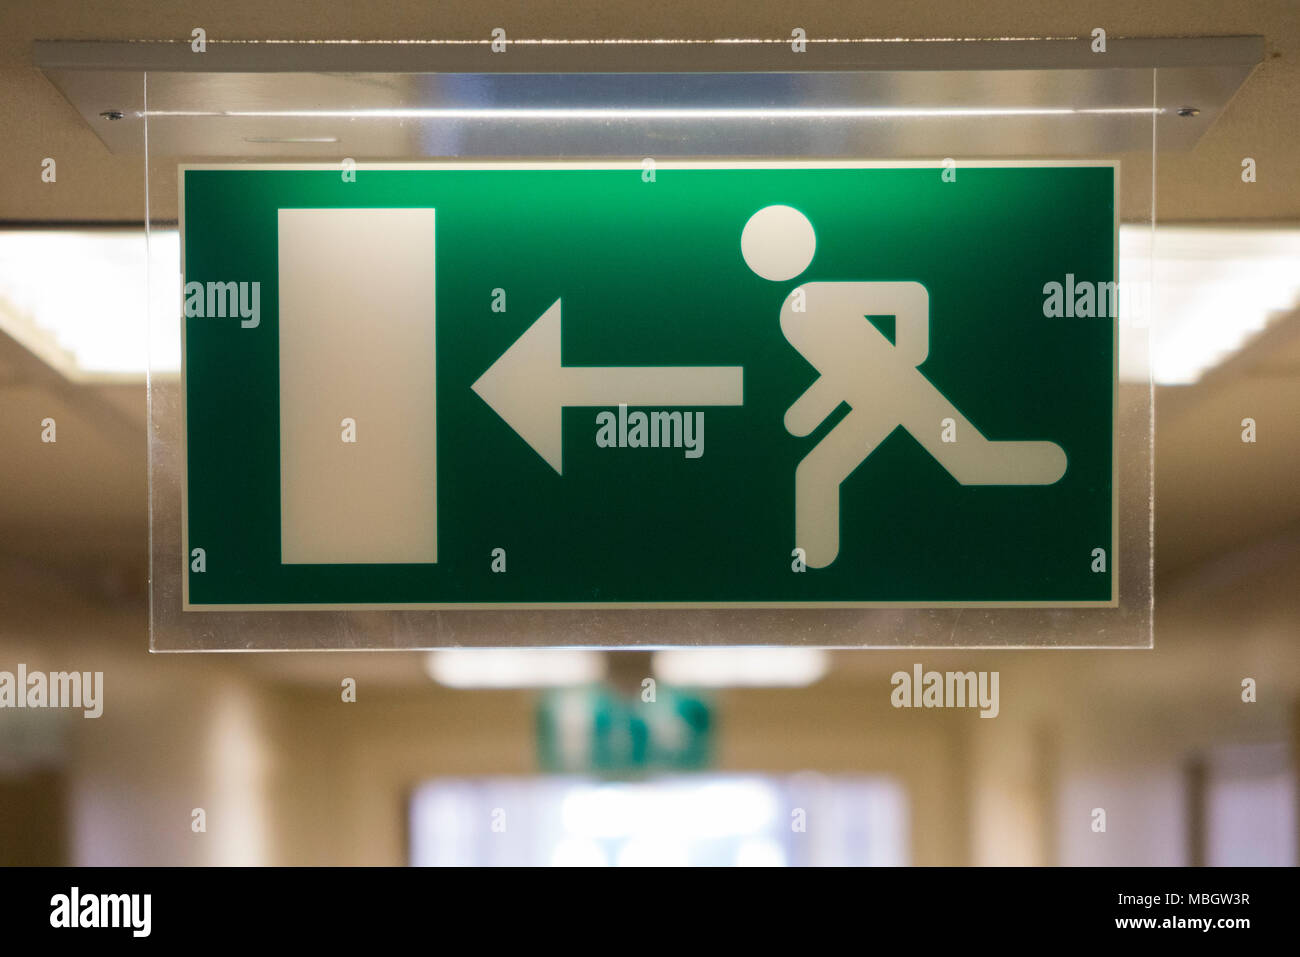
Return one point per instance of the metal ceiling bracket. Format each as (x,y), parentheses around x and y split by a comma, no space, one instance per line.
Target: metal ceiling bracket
(408,99)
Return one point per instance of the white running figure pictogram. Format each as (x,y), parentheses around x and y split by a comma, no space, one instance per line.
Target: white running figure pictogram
(878,379)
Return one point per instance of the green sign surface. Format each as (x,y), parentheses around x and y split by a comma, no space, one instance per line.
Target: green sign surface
(694,384)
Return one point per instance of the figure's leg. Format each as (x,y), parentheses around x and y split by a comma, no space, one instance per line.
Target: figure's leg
(973,459)
(818,478)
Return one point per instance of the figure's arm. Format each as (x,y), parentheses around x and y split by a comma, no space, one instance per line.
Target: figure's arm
(811,409)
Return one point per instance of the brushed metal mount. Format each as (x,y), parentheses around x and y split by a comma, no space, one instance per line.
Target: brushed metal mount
(425,99)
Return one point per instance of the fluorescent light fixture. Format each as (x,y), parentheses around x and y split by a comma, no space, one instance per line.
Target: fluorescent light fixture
(80,299)
(514,668)
(741,667)
(1215,289)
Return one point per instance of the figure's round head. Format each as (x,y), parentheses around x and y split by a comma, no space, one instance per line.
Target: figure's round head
(778,243)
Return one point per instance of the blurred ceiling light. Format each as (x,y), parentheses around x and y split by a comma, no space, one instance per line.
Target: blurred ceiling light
(514,668)
(80,299)
(741,667)
(1215,289)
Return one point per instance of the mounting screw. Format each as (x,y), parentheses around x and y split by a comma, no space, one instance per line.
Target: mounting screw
(1188,111)
(113,114)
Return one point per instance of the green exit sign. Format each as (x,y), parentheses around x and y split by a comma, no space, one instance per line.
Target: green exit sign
(600,730)
(607,385)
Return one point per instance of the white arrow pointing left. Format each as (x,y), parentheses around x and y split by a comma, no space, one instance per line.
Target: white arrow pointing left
(528,387)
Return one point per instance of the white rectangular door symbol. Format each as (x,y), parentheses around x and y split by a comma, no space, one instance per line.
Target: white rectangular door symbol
(357,345)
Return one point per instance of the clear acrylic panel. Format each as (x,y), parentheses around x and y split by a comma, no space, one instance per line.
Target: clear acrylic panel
(255,166)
